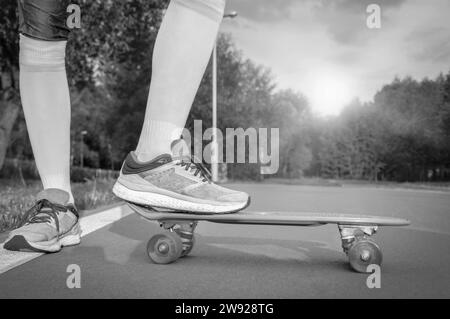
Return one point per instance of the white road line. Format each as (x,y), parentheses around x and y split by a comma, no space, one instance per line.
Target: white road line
(12,259)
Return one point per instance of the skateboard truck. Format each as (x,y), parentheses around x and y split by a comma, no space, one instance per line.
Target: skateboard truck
(185,231)
(350,233)
(361,250)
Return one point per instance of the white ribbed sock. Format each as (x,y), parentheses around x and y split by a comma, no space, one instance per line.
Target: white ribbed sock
(156,138)
(182,51)
(46,103)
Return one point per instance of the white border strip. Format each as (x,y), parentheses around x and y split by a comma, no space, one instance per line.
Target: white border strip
(89,224)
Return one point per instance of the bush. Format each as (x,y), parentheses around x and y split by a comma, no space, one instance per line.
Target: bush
(244,172)
(80,175)
(19,170)
(14,169)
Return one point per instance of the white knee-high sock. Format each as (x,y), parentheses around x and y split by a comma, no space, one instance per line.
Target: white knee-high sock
(45,98)
(181,53)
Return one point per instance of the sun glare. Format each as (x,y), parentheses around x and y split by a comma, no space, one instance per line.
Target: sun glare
(329,93)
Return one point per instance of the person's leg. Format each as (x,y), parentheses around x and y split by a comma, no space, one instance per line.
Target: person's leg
(46,104)
(151,176)
(52,222)
(44,90)
(182,50)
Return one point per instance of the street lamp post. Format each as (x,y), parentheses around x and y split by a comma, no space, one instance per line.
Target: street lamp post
(82,133)
(214,145)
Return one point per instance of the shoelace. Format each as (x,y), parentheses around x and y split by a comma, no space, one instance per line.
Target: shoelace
(198,168)
(43,212)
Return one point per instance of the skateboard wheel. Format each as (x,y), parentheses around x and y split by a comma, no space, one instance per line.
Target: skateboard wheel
(164,248)
(364,253)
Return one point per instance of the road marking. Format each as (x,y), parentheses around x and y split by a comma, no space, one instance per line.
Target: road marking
(89,224)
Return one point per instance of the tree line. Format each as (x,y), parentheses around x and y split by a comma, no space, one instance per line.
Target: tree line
(403,135)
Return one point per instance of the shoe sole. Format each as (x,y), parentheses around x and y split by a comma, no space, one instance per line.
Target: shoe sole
(167,202)
(19,243)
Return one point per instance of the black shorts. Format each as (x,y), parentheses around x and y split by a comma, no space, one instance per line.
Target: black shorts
(44,19)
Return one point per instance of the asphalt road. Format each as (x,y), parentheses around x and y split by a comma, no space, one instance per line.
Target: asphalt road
(231,261)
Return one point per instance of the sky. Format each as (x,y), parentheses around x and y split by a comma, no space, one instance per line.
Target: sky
(324,49)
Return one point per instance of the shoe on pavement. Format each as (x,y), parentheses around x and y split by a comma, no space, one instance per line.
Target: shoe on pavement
(175,183)
(49,225)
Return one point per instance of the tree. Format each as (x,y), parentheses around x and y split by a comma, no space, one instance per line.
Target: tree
(9,102)
(103,61)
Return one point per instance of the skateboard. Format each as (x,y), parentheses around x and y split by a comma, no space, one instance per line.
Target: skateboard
(177,237)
